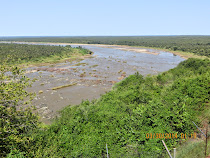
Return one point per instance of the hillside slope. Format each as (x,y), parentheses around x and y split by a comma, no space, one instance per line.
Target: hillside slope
(124,117)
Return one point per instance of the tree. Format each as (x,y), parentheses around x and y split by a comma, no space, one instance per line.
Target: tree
(16,117)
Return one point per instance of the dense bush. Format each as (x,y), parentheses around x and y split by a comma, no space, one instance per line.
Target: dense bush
(36,53)
(167,103)
(16,118)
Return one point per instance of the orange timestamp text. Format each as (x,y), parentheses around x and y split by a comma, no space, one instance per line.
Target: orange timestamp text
(169,135)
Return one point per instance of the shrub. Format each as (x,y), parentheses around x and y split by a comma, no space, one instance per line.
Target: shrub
(16,117)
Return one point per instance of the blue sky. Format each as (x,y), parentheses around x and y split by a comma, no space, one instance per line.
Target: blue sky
(104,17)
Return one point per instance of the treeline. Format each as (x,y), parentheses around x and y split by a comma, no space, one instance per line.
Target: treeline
(123,117)
(199,45)
(35,53)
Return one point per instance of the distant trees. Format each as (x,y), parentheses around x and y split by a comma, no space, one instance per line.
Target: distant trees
(199,45)
(24,52)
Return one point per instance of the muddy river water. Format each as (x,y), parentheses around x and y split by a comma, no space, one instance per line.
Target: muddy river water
(93,76)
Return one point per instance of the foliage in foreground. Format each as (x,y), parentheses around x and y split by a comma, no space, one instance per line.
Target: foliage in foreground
(15,121)
(167,103)
(192,149)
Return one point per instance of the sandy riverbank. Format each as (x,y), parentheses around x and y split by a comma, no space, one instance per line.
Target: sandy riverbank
(121,47)
(138,49)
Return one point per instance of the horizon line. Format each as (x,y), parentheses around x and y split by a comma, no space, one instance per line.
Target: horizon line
(94,35)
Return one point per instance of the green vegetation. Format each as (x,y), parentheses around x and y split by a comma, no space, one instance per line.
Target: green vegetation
(120,71)
(79,64)
(199,45)
(166,103)
(82,74)
(192,149)
(16,118)
(32,54)
(41,91)
(94,66)
(63,86)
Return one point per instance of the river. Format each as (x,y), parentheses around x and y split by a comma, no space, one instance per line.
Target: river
(92,77)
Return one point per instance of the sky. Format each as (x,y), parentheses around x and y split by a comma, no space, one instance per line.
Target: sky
(104,17)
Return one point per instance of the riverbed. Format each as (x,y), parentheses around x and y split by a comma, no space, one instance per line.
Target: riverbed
(93,76)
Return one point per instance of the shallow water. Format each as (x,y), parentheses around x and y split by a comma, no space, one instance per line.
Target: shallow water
(94,77)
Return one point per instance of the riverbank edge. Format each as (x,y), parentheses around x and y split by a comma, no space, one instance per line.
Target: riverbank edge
(185,55)
(47,61)
(182,54)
